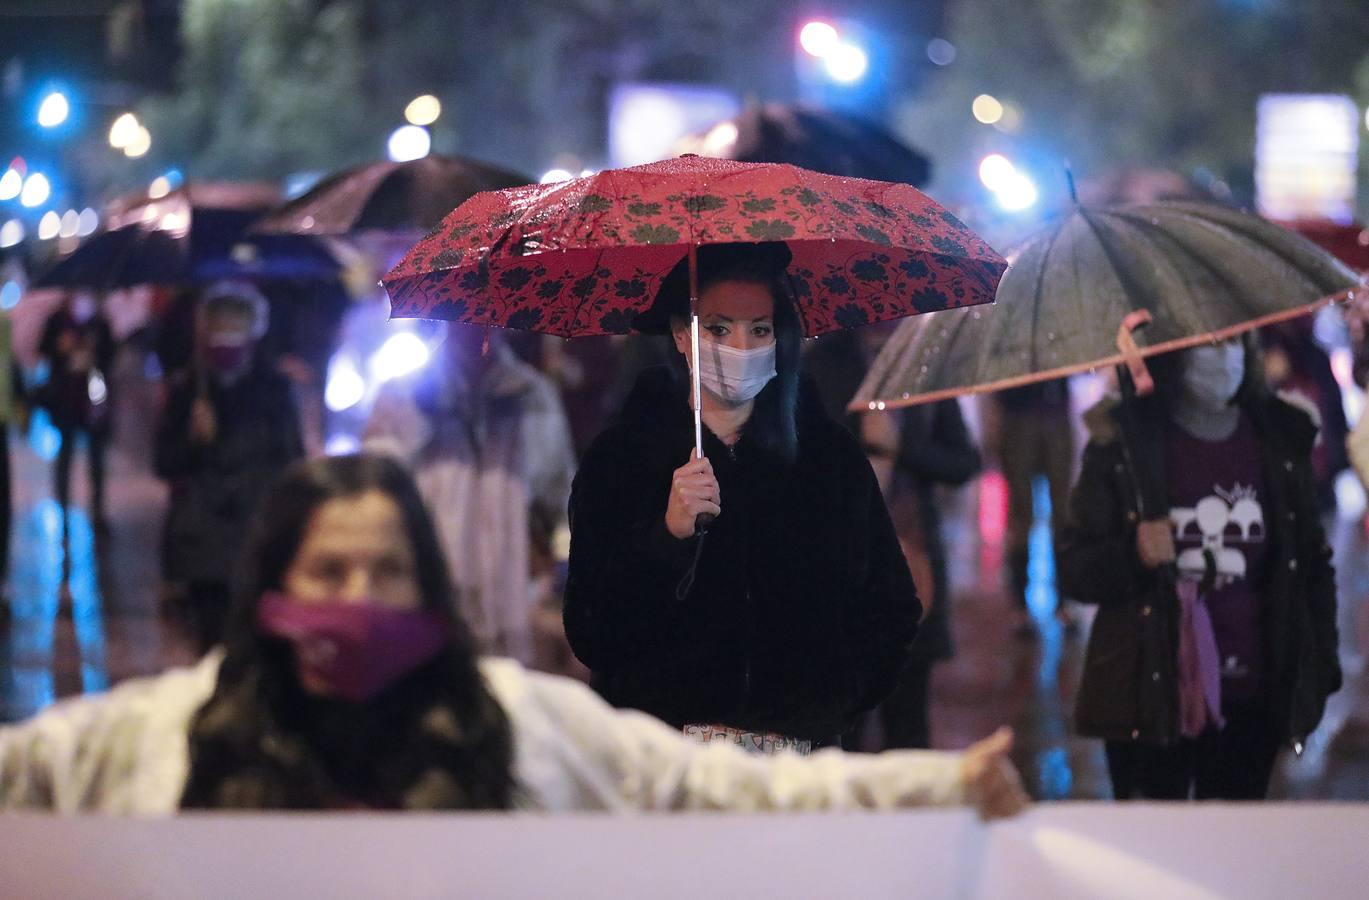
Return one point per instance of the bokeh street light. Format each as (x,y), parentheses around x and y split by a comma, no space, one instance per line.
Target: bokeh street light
(819,39)
(36,190)
(11,233)
(11,183)
(847,63)
(1012,189)
(423,110)
(409,142)
(138,144)
(123,131)
(49,226)
(54,110)
(987,109)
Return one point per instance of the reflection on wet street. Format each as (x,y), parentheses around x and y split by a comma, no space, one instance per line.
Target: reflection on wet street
(105,627)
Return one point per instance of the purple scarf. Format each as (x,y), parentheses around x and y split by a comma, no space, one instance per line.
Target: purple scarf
(1200,675)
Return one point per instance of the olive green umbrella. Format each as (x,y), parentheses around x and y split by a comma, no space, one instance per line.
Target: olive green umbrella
(1074,293)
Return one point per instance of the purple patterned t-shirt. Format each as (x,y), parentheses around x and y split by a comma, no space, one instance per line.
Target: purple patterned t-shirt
(1216,500)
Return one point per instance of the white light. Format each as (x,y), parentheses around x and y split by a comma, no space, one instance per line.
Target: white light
(49,226)
(71,223)
(159,188)
(11,183)
(1350,498)
(941,51)
(96,389)
(138,144)
(346,387)
(54,110)
(36,190)
(585,173)
(1018,193)
(552,176)
(423,110)
(720,138)
(123,131)
(89,221)
(409,142)
(400,355)
(995,171)
(177,222)
(847,63)
(9,295)
(819,39)
(342,445)
(987,109)
(11,233)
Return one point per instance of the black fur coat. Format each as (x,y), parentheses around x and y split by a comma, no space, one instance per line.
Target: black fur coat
(803,608)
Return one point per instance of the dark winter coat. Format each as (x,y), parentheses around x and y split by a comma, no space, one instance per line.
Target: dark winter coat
(74,350)
(803,609)
(1129,686)
(215,487)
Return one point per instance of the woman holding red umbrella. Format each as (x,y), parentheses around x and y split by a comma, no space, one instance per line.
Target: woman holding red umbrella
(790,612)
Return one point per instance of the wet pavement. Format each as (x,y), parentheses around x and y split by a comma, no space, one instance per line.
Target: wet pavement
(114,630)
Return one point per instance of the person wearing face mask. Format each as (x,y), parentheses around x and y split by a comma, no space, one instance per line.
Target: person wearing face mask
(78,349)
(794,611)
(1194,527)
(348,682)
(228,428)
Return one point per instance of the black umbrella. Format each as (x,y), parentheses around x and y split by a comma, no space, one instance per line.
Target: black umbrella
(822,140)
(389,197)
(192,235)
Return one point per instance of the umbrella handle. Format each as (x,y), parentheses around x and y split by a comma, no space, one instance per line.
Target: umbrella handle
(703,520)
(1131,353)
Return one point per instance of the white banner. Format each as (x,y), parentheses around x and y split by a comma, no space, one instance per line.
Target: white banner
(1056,851)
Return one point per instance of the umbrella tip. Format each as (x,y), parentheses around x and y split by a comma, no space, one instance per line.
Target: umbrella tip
(1069,179)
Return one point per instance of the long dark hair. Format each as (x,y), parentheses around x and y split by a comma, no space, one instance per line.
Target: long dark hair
(436,740)
(773,423)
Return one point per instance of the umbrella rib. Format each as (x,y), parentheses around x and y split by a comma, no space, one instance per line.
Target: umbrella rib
(1036,294)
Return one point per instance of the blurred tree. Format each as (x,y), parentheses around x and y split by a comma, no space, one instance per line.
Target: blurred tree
(1108,83)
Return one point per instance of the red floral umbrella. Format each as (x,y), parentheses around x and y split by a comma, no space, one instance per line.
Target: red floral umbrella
(583,257)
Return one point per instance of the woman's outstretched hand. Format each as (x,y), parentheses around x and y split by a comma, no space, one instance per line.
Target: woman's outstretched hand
(992,784)
(693,492)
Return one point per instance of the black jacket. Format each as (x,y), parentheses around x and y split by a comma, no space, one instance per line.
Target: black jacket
(803,609)
(1129,687)
(215,487)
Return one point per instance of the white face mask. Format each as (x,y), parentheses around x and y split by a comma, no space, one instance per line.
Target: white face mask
(1213,374)
(735,376)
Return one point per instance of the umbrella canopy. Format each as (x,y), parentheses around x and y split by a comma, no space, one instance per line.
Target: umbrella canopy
(1200,272)
(584,257)
(818,139)
(407,197)
(194,234)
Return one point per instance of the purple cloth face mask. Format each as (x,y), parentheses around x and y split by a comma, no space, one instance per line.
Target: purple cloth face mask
(356,649)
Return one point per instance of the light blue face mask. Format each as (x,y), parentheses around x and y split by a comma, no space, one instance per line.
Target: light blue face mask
(1213,374)
(735,376)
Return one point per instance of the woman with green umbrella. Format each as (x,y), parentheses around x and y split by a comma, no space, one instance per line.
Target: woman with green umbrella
(1194,528)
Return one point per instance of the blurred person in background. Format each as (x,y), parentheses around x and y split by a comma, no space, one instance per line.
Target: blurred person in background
(487,439)
(78,348)
(912,451)
(348,682)
(1195,530)
(13,412)
(792,615)
(228,429)
(1031,435)
(1295,362)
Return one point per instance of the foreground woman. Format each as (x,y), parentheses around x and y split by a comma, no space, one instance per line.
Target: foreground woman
(795,612)
(348,683)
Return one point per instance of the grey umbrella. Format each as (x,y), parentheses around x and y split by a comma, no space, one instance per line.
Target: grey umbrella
(1196,272)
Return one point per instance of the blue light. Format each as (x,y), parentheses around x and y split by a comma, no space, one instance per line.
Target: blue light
(10,294)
